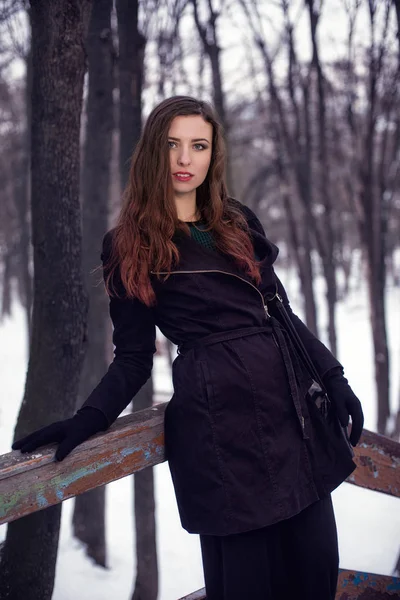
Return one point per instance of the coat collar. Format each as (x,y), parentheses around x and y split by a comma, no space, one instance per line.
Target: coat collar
(196,257)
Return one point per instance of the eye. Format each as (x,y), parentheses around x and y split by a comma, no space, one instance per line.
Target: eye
(171,144)
(200,147)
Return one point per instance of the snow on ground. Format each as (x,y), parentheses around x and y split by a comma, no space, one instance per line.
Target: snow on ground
(368,522)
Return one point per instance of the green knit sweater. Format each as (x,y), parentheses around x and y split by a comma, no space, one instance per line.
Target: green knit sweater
(205,238)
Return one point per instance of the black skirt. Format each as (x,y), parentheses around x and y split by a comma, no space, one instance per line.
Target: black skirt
(294,559)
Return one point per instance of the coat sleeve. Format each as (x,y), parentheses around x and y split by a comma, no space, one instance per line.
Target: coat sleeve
(134,338)
(322,358)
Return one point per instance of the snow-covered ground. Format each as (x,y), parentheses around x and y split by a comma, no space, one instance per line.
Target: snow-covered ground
(368,522)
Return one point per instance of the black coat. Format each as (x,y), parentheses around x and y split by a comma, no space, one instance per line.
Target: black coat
(243,452)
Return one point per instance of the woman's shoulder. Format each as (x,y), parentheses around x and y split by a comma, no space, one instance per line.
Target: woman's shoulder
(256,227)
(250,216)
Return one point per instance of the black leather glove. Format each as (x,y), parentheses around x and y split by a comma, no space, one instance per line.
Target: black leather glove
(346,402)
(69,433)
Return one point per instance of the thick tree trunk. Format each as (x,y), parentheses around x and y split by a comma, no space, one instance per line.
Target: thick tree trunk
(59,307)
(131,66)
(132,46)
(89,512)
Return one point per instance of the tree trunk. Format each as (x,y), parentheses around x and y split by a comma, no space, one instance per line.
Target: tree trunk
(6,285)
(131,67)
(59,306)
(132,45)
(331,300)
(373,226)
(376,288)
(89,511)
(300,249)
(21,183)
(397,7)
(146,584)
(307,287)
(295,134)
(326,241)
(209,38)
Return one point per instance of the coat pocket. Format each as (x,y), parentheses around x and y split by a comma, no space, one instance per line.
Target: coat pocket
(206,384)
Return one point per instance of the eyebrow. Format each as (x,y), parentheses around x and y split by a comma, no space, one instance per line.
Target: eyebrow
(194,140)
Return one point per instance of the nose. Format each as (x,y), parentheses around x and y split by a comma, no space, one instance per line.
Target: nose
(184,157)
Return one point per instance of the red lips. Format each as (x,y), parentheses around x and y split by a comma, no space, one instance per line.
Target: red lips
(183,176)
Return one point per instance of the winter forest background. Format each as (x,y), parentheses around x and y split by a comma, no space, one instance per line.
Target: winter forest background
(308,93)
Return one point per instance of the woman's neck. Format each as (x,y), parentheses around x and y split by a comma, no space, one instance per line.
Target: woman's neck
(187,209)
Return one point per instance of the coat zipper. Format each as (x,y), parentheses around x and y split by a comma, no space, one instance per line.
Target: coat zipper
(265,307)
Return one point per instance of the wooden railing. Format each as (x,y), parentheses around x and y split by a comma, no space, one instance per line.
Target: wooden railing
(32,482)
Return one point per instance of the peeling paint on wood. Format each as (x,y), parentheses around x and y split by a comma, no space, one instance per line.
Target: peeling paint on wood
(32,482)
(352,585)
(35,481)
(378,461)
(355,585)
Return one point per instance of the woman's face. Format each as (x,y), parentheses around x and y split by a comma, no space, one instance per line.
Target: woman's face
(190,147)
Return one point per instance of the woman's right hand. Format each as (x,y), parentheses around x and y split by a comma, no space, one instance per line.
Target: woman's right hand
(68,433)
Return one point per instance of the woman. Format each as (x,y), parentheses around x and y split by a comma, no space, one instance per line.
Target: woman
(252,460)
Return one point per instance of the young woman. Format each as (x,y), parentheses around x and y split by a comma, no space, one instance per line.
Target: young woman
(252,459)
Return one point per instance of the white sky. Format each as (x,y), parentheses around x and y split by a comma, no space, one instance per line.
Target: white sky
(237,45)
(236,41)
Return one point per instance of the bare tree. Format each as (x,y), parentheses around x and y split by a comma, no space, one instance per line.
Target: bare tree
(209,38)
(295,140)
(59,309)
(89,510)
(15,101)
(376,166)
(170,52)
(396,432)
(326,238)
(132,43)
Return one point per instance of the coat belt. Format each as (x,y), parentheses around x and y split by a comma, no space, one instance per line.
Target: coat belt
(222,336)
(272,326)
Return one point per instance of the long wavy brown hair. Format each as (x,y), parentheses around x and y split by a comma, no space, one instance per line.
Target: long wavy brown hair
(142,238)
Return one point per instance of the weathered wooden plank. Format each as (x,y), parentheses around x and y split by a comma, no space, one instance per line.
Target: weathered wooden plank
(32,482)
(199,595)
(352,585)
(378,461)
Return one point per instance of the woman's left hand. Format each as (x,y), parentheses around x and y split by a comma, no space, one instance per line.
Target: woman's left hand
(346,403)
